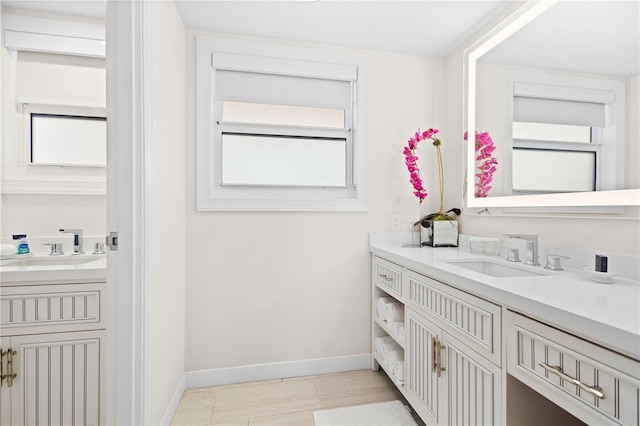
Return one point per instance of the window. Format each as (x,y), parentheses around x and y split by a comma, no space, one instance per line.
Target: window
(280,128)
(49,79)
(68,140)
(566,134)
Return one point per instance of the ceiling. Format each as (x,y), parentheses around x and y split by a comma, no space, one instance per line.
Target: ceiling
(598,37)
(432,28)
(89,8)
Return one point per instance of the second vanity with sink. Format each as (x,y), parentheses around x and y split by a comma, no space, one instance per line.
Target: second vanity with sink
(486,341)
(52,331)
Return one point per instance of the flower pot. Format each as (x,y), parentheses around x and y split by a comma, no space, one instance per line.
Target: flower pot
(439,233)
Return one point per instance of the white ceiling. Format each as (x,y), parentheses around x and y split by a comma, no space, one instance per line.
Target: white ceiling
(585,36)
(89,8)
(432,28)
(427,27)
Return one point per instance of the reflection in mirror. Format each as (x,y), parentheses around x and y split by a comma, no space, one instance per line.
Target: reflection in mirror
(556,87)
(67,140)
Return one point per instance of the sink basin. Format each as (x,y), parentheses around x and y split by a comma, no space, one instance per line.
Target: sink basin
(493,269)
(52,260)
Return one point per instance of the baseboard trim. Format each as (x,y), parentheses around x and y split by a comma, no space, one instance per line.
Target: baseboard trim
(170,412)
(278,370)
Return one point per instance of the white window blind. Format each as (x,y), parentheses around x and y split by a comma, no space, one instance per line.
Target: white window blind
(282,90)
(557,111)
(285,115)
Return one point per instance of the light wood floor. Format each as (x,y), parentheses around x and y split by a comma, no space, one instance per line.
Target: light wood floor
(282,402)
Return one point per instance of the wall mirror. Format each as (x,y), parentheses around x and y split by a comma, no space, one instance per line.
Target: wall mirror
(556,85)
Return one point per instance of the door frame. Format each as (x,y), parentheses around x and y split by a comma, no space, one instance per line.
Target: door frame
(129,391)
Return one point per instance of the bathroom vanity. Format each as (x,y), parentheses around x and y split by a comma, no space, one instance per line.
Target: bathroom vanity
(52,340)
(473,337)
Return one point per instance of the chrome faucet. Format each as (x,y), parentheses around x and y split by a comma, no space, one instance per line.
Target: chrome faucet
(77,239)
(531,256)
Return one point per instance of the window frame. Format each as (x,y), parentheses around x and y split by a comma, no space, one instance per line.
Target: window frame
(280,60)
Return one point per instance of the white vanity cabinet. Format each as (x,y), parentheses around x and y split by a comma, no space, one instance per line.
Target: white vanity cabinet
(387,283)
(527,350)
(593,383)
(452,348)
(447,383)
(52,345)
(453,354)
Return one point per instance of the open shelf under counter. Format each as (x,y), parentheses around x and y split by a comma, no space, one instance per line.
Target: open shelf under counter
(384,326)
(388,370)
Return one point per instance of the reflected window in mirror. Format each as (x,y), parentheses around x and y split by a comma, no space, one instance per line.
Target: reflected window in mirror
(564,134)
(559,39)
(68,140)
(64,136)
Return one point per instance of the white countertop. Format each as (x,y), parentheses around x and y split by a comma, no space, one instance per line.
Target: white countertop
(606,314)
(14,274)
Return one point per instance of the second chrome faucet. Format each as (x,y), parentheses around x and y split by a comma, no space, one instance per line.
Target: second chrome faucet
(531,256)
(77,239)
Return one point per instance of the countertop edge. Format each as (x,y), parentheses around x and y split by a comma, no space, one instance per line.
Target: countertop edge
(610,337)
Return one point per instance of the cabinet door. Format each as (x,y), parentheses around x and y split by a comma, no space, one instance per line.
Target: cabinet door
(422,382)
(58,379)
(472,385)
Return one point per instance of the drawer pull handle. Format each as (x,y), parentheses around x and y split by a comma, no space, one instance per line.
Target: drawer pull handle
(386,278)
(434,354)
(2,376)
(555,369)
(439,348)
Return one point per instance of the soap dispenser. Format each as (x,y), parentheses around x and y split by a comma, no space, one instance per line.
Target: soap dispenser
(22,243)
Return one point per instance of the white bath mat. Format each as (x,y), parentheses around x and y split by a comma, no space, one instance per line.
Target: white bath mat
(392,413)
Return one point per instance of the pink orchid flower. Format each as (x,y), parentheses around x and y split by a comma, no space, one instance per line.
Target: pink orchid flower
(484,148)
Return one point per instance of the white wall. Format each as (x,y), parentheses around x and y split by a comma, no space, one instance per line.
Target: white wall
(277,287)
(41,216)
(168,248)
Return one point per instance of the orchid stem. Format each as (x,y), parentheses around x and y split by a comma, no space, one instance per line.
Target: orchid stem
(441,178)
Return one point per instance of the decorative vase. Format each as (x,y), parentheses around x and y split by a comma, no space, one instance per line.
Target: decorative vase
(439,233)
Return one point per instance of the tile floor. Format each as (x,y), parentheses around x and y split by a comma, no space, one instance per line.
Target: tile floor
(282,402)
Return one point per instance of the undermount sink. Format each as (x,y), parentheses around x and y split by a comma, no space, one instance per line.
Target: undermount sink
(52,260)
(493,269)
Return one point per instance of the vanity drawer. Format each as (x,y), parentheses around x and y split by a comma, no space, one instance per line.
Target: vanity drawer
(387,276)
(595,384)
(474,321)
(27,309)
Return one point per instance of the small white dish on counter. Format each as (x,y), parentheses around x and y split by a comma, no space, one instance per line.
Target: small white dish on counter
(601,277)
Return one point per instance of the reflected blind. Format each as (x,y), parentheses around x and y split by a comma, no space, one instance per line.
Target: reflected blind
(556,111)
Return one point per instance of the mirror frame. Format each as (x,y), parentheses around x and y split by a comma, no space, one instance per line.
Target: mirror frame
(514,22)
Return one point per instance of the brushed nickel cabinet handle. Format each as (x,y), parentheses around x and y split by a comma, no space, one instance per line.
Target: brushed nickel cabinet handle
(555,369)
(439,350)
(434,354)
(10,374)
(2,353)
(386,278)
